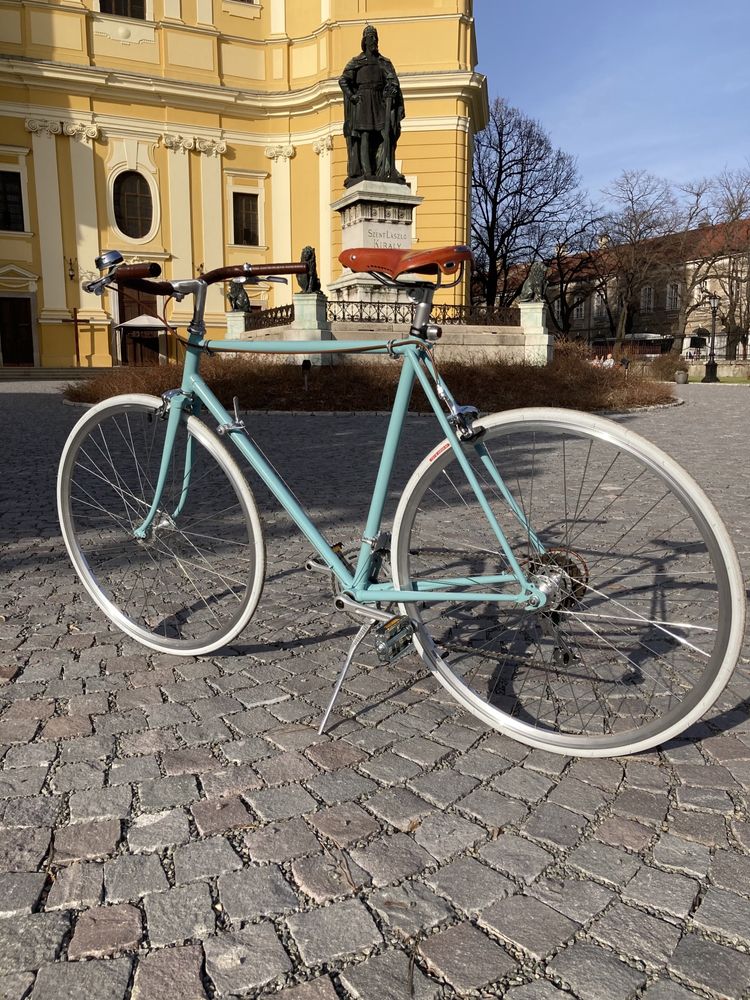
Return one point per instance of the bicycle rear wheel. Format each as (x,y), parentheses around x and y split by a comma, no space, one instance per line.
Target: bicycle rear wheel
(645,612)
(193,584)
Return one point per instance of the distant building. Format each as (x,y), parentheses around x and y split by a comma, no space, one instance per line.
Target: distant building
(200,134)
(669,298)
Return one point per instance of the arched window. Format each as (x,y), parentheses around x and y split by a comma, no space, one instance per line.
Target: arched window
(134,209)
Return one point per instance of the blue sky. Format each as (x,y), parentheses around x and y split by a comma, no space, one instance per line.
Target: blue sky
(662,85)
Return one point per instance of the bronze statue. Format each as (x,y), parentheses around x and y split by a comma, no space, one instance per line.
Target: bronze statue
(237,296)
(535,285)
(373,111)
(309,282)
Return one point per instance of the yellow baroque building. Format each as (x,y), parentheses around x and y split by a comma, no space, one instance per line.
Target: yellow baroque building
(199,133)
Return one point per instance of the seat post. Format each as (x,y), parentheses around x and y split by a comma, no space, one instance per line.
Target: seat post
(421,295)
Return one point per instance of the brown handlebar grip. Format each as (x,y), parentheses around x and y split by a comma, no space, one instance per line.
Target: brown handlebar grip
(142,285)
(148,269)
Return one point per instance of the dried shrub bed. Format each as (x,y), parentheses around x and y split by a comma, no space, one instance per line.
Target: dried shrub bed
(492,385)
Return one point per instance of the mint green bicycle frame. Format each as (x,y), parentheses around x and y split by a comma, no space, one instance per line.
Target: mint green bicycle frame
(417,366)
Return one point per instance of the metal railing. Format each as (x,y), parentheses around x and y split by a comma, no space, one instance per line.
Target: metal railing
(397,312)
(261,319)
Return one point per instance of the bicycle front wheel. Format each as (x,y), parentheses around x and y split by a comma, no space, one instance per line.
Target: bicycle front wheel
(193,583)
(645,601)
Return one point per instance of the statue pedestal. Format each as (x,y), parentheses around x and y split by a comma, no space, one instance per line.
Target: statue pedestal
(310,323)
(538,344)
(373,214)
(235,325)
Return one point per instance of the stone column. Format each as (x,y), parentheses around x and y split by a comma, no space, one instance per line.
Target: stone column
(281,228)
(180,220)
(47,184)
(538,344)
(310,323)
(213,231)
(323,148)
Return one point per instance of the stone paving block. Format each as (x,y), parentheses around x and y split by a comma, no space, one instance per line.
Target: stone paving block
(285,767)
(133,769)
(726,914)
(172,972)
(101,803)
(255,892)
(409,909)
(392,858)
(632,932)
(494,810)
(84,841)
(281,803)
(335,755)
(399,807)
(610,864)
(665,990)
(28,941)
(641,806)
(523,783)
(165,793)
(335,932)
(245,959)
(443,787)
(103,979)
(529,924)
(221,815)
(681,855)
(731,871)
(204,859)
(230,781)
(104,931)
(574,898)
(23,849)
(340,786)
(596,974)
(32,812)
(193,760)
(133,875)
(28,754)
(388,768)
(345,824)
(22,781)
(76,886)
(579,796)
(539,990)
(470,885)
(444,835)
(327,876)
(708,799)
(20,892)
(516,856)
(658,890)
(711,966)
(599,771)
(466,957)
(178,914)
(707,829)
(390,975)
(553,825)
(620,832)
(154,831)
(281,841)
(83,774)
(16,986)
(421,750)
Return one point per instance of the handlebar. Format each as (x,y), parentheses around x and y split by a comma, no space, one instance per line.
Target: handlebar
(137,276)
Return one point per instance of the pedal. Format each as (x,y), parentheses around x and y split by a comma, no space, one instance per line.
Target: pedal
(393,638)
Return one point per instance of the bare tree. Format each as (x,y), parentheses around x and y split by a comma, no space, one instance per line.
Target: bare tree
(572,274)
(730,261)
(521,186)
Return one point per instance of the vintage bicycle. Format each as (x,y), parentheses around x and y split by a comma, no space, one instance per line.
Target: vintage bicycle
(566,581)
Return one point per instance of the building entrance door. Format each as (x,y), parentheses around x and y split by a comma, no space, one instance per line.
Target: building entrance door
(16,333)
(137,347)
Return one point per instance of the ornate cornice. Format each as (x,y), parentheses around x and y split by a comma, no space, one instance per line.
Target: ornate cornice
(183,143)
(43,126)
(283,151)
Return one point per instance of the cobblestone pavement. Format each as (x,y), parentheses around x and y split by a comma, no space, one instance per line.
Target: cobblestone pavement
(176,828)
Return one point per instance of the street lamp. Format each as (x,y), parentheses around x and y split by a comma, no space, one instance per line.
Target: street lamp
(711,376)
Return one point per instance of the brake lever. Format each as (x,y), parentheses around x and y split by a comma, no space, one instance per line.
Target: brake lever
(98,286)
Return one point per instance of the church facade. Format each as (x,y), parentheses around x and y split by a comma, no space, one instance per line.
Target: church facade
(198,133)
